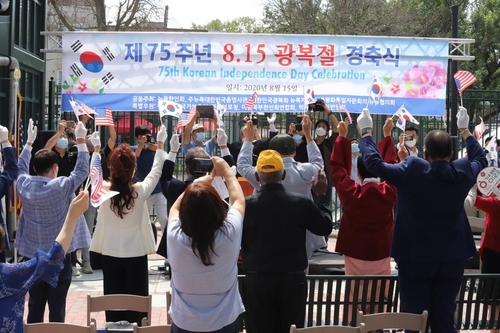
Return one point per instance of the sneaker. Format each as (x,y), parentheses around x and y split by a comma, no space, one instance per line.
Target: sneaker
(75,271)
(86,268)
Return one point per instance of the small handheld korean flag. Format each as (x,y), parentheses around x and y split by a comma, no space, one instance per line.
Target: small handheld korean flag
(309,96)
(80,108)
(403,113)
(169,108)
(401,123)
(375,90)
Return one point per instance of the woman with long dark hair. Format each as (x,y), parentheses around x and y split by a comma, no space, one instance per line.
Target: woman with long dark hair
(123,232)
(203,244)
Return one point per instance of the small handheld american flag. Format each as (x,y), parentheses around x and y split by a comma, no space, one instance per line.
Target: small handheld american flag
(250,103)
(106,121)
(464,80)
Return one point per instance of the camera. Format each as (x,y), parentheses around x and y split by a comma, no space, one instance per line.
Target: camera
(318,105)
(202,165)
(408,137)
(298,125)
(150,139)
(253,117)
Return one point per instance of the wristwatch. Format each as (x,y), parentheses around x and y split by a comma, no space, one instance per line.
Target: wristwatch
(366,131)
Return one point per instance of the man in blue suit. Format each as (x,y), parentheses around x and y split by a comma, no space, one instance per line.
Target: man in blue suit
(432,236)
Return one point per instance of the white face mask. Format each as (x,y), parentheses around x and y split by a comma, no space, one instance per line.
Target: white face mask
(411,143)
(320,131)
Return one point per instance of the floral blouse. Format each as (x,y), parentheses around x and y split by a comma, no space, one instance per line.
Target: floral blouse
(17,279)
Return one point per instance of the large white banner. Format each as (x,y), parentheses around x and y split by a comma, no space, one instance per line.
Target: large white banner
(132,71)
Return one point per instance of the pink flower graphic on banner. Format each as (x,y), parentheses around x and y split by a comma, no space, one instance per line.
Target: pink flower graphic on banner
(81,85)
(395,88)
(426,80)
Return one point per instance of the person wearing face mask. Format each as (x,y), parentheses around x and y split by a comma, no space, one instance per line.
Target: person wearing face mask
(325,144)
(46,199)
(410,139)
(60,144)
(354,160)
(145,153)
(195,136)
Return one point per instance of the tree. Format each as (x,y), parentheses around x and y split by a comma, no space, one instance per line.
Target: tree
(91,15)
(244,24)
(416,18)
(483,27)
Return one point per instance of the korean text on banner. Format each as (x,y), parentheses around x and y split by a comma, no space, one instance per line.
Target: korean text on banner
(132,72)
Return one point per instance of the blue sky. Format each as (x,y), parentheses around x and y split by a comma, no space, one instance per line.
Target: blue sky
(184,12)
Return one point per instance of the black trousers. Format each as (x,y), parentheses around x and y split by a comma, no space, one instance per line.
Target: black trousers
(274,302)
(42,293)
(231,328)
(432,287)
(125,276)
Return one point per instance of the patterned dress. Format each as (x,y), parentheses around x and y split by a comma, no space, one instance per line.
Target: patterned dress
(17,279)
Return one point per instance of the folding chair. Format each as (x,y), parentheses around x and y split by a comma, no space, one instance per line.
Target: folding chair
(152,329)
(169,302)
(329,329)
(119,302)
(393,320)
(58,328)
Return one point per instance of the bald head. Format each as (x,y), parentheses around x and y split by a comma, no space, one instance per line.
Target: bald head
(438,145)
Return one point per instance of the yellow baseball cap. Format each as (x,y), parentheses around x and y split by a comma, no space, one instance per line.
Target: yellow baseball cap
(269,161)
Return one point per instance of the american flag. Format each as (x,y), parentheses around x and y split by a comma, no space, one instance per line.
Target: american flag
(106,121)
(99,193)
(479,129)
(251,101)
(184,119)
(464,80)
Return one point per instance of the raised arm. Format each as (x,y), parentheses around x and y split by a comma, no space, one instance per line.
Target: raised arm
(149,183)
(77,207)
(313,152)
(224,151)
(112,137)
(340,167)
(11,169)
(332,117)
(186,137)
(236,197)
(53,140)
(244,163)
(81,170)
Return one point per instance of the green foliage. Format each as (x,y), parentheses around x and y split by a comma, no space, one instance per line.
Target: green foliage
(244,24)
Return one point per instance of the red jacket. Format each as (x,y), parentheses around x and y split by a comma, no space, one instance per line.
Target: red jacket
(368,218)
(491,237)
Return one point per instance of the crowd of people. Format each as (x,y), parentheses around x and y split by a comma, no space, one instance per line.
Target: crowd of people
(398,202)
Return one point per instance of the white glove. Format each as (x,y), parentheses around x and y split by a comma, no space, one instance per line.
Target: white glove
(80,131)
(4,133)
(174,143)
(365,120)
(462,118)
(272,119)
(162,134)
(95,139)
(221,137)
(31,131)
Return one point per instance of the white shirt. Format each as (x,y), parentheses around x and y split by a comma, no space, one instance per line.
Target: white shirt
(205,298)
(131,236)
